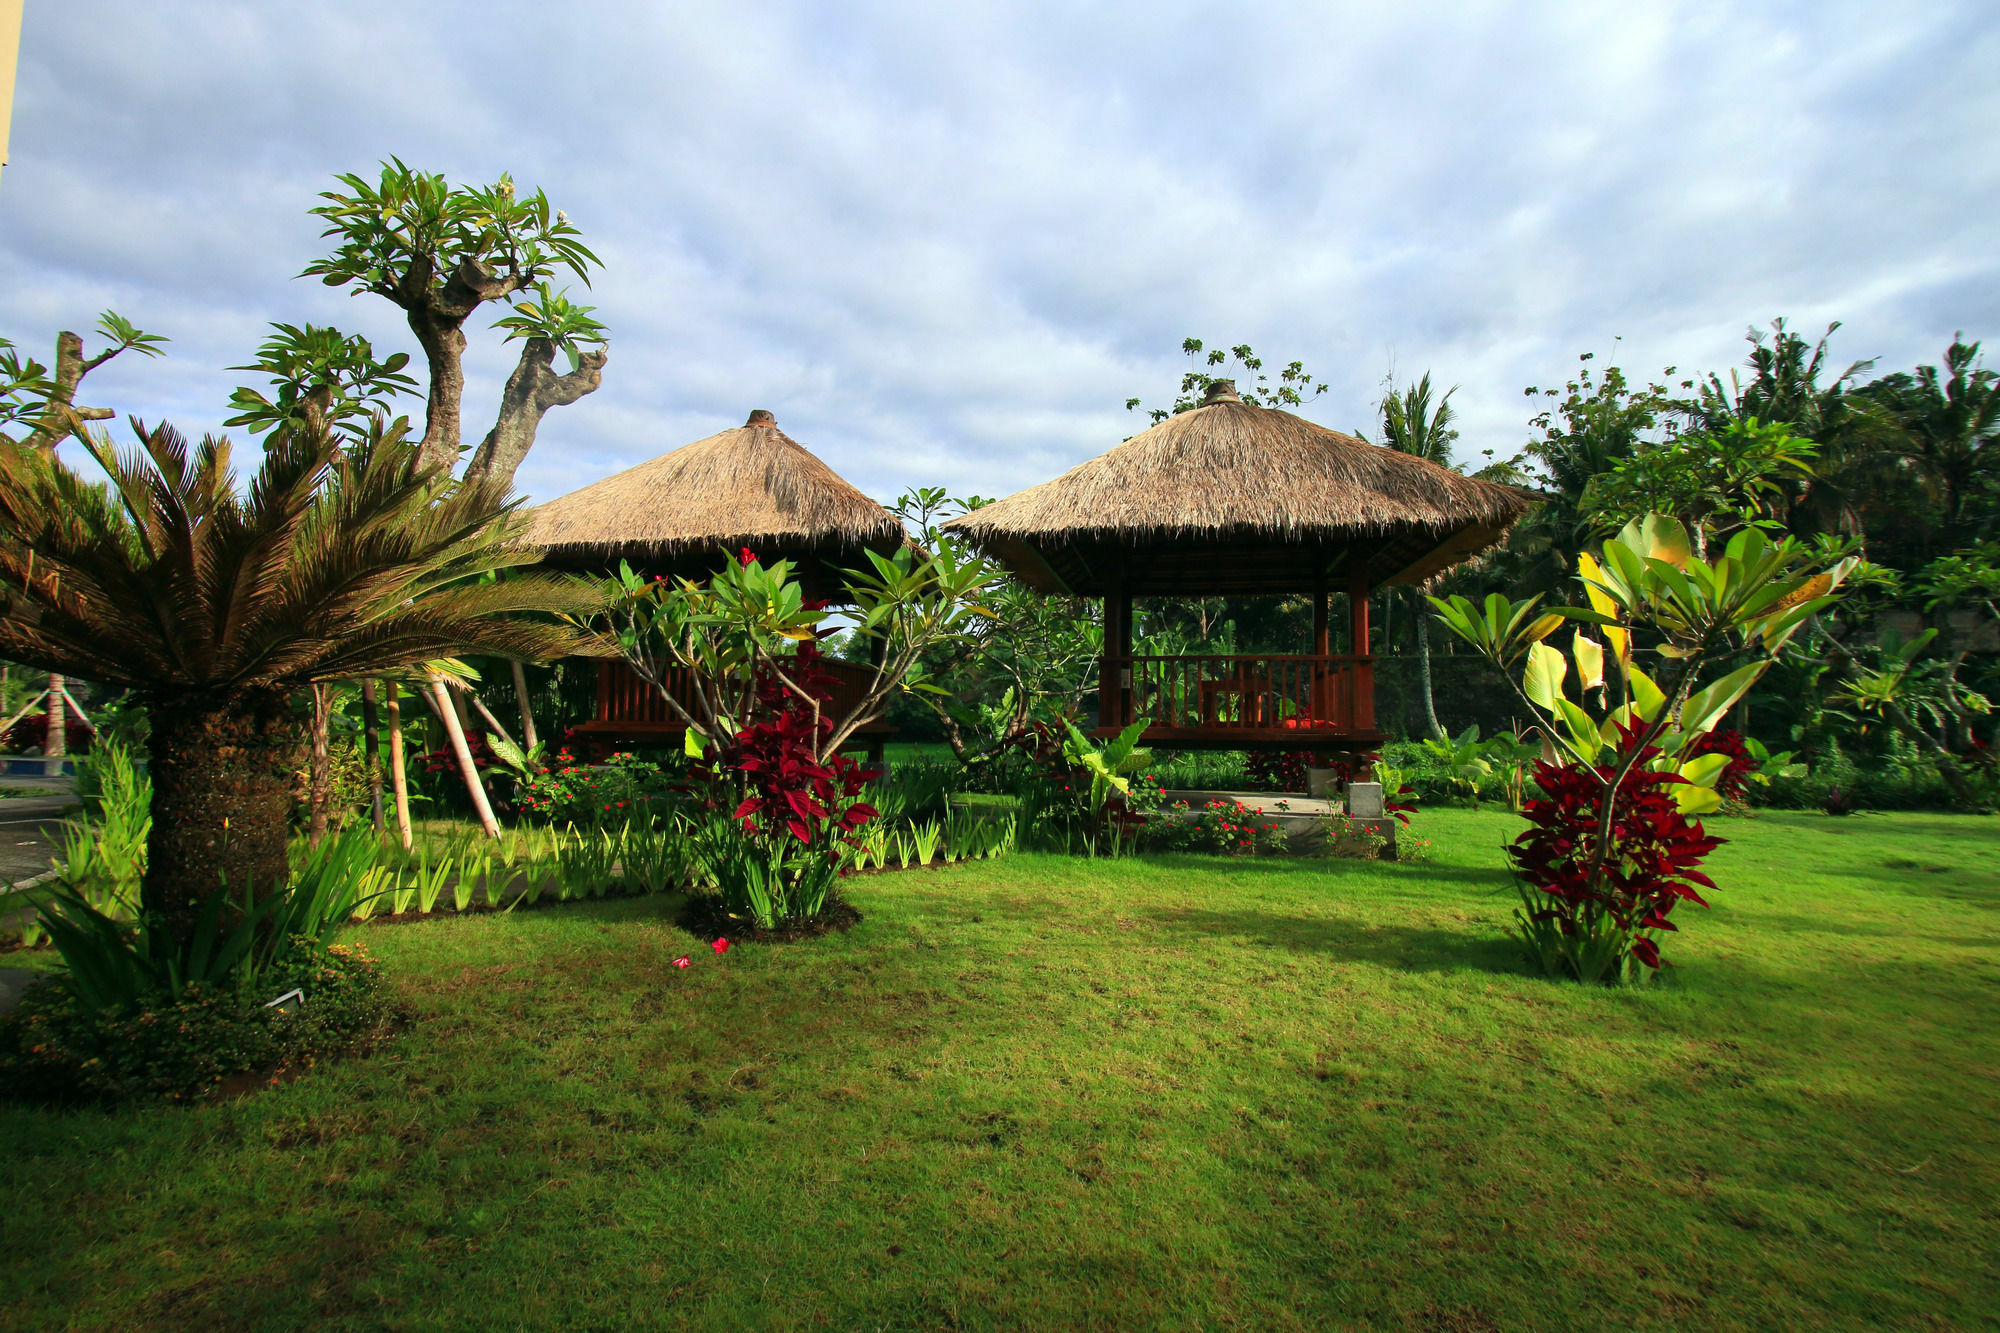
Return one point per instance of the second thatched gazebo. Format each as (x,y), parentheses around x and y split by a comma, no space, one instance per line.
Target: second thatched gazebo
(685,513)
(1232,499)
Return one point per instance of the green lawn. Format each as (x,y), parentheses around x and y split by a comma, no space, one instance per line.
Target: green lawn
(1173,1093)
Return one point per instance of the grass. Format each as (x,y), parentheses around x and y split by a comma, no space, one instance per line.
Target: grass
(1177,1093)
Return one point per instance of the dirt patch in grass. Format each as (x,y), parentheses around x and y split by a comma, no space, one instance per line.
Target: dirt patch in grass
(706,917)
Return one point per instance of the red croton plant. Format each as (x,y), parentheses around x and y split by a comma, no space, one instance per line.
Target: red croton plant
(788,791)
(1611,847)
(1651,863)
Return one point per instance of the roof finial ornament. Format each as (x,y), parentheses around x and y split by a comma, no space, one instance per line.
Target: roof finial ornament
(760,417)
(1221,391)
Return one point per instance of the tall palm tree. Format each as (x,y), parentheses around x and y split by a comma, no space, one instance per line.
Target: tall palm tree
(1413,424)
(1948,426)
(219,606)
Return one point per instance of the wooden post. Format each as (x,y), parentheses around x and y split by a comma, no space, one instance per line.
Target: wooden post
(1363,689)
(55,738)
(1323,709)
(319,767)
(1357,606)
(398,781)
(447,713)
(1114,681)
(528,738)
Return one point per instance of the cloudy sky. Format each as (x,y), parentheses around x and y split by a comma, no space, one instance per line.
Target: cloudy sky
(944,243)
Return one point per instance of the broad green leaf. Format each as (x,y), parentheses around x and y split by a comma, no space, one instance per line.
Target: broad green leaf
(1647,698)
(691,744)
(1658,537)
(1592,575)
(1694,800)
(1582,731)
(1703,770)
(1705,707)
(1589,655)
(1543,680)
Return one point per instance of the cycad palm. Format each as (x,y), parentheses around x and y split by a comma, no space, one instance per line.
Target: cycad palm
(218,607)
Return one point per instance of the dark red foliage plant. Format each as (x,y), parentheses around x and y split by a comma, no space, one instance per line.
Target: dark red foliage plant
(1598,922)
(1733,784)
(781,819)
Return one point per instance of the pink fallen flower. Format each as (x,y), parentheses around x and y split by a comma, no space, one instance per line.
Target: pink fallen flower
(721,946)
(682,961)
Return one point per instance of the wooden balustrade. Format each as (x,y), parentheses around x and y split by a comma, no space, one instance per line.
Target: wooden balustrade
(1263,697)
(627,703)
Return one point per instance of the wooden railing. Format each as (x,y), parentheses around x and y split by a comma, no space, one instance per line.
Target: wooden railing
(625,699)
(1270,695)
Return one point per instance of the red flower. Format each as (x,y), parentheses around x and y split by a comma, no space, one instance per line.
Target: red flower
(682,961)
(721,946)
(746,557)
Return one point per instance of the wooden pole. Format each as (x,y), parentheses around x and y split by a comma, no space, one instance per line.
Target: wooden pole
(1322,647)
(521,698)
(319,773)
(1357,606)
(492,722)
(371,750)
(8,725)
(441,699)
(400,783)
(55,739)
(77,708)
(1363,709)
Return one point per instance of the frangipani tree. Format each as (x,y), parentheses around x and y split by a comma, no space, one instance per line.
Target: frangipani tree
(749,618)
(1611,849)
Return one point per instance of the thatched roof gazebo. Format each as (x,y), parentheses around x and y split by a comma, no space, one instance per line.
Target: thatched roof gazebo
(1231,499)
(684,514)
(751,486)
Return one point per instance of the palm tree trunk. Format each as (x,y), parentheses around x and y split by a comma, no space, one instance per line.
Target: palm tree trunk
(1431,727)
(222,770)
(397,778)
(470,770)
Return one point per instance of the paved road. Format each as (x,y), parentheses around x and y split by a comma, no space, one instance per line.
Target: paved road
(30,832)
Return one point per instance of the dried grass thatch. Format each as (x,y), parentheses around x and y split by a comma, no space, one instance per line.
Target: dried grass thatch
(752,486)
(1229,478)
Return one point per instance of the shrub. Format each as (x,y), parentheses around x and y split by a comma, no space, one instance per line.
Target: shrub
(1224,827)
(624,789)
(1596,929)
(776,856)
(1272,771)
(57,1047)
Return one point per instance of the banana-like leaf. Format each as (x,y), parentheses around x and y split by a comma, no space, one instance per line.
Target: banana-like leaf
(1582,731)
(1694,800)
(1647,698)
(1543,680)
(1705,707)
(1703,770)
(1589,655)
(1658,537)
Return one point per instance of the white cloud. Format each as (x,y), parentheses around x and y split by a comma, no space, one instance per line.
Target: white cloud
(944,244)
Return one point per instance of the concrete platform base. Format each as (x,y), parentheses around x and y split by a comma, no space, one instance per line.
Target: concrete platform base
(1304,819)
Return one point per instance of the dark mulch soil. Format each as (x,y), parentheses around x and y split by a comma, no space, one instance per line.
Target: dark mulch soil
(705,916)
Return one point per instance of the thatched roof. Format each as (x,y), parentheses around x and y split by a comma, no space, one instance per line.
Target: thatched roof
(752,486)
(1234,498)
